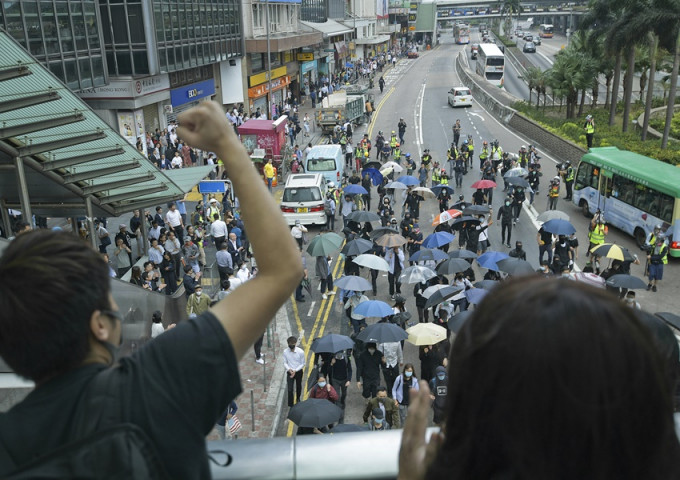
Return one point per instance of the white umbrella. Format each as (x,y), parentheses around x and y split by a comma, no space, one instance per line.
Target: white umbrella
(552,215)
(426,334)
(516,172)
(372,261)
(424,191)
(430,290)
(416,274)
(393,165)
(396,185)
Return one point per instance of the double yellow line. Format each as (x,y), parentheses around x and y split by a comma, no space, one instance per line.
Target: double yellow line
(320,325)
(375,113)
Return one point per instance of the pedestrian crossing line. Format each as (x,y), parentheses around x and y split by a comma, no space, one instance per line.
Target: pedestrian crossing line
(326,306)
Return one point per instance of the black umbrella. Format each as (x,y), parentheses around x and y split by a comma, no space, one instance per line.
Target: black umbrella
(442,294)
(626,281)
(356,247)
(332,343)
(670,318)
(363,216)
(314,413)
(401,319)
(382,333)
(456,322)
(452,265)
(377,165)
(476,210)
(348,427)
(486,284)
(380,231)
(463,253)
(458,223)
(517,181)
(515,266)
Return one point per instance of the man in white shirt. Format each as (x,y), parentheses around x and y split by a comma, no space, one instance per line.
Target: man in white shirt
(218,230)
(294,362)
(154,231)
(156,252)
(392,361)
(298,232)
(176,161)
(243,273)
(173,219)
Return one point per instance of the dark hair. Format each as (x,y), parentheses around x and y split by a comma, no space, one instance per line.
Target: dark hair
(407,366)
(50,284)
(157,317)
(291,339)
(136,272)
(187,268)
(225,284)
(381,388)
(159,208)
(555,379)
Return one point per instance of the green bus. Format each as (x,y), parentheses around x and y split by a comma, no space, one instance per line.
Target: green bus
(634,192)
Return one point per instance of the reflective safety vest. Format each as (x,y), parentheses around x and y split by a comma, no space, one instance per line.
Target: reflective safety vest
(393,141)
(211,213)
(596,235)
(590,128)
(663,251)
(452,154)
(471,148)
(444,180)
(496,153)
(484,154)
(435,176)
(570,175)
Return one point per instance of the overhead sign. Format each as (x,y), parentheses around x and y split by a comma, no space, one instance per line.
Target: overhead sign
(412,17)
(263,77)
(260,90)
(193,92)
(212,186)
(128,89)
(305,57)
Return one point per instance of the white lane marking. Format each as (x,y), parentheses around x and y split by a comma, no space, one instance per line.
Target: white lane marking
(476,115)
(311,307)
(418,118)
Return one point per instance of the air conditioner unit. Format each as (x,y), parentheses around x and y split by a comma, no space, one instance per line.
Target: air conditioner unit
(167,109)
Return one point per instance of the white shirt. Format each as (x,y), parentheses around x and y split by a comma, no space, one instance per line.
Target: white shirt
(298,230)
(392,352)
(156,329)
(155,233)
(176,162)
(243,274)
(156,255)
(294,360)
(218,229)
(174,219)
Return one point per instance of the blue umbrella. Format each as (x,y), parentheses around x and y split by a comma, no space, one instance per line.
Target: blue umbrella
(428,254)
(353,283)
(355,189)
(349,65)
(456,322)
(373,308)
(489,259)
(557,226)
(475,295)
(438,239)
(374,173)
(408,180)
(437,189)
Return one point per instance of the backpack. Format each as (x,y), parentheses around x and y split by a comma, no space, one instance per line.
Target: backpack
(327,208)
(105,447)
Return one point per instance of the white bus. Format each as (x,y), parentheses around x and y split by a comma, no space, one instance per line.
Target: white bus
(461,33)
(491,63)
(545,30)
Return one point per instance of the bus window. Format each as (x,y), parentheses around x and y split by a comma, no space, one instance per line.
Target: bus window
(594,180)
(666,211)
(624,189)
(585,171)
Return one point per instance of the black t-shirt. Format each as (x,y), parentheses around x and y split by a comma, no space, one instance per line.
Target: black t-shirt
(546,237)
(178,386)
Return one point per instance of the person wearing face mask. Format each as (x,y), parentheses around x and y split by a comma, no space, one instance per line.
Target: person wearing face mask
(438,389)
(368,370)
(386,406)
(518,251)
(629,300)
(402,389)
(294,362)
(341,375)
(323,390)
(377,420)
(506,216)
(564,251)
(197,303)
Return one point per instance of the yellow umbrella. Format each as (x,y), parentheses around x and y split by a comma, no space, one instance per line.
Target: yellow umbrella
(426,334)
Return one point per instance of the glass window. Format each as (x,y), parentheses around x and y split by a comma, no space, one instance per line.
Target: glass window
(98,70)
(85,72)
(119,24)
(624,189)
(37,48)
(141,62)
(136,22)
(124,63)
(111,62)
(79,33)
(303,194)
(666,207)
(257,62)
(91,25)
(71,70)
(57,69)
(160,23)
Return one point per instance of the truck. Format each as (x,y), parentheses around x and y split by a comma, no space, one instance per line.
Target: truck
(341,107)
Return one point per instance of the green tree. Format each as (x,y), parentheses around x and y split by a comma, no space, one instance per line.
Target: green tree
(572,73)
(532,76)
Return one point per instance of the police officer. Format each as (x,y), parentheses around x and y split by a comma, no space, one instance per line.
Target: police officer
(568,175)
(456,132)
(589,127)
(657,258)
(483,156)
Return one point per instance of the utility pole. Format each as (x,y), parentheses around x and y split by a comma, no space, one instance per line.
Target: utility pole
(270,94)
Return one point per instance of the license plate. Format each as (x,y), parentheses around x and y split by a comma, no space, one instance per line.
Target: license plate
(303,210)
(463,99)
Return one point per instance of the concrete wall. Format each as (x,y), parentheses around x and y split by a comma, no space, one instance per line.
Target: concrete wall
(498,101)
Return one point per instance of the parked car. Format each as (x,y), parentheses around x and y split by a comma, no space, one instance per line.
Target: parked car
(303,199)
(529,47)
(460,97)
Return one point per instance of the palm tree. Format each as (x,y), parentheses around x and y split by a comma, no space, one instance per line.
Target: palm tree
(653,46)
(532,75)
(572,72)
(509,8)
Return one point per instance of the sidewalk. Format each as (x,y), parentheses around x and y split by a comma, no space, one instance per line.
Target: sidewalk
(263,385)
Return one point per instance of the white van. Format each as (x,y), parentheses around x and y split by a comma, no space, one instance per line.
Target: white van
(328,160)
(303,199)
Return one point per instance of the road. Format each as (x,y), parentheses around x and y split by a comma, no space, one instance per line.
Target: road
(417,91)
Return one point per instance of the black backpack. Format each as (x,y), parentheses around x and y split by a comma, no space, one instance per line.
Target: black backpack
(105,447)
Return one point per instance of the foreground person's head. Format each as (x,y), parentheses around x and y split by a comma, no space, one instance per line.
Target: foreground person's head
(56,304)
(555,380)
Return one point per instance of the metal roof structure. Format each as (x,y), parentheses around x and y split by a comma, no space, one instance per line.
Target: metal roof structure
(59,159)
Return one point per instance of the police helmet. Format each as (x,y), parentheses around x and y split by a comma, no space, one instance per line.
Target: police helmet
(465,142)
(567,162)
(523,147)
(408,155)
(657,227)
(331,185)
(380,132)
(398,145)
(393,132)
(394,220)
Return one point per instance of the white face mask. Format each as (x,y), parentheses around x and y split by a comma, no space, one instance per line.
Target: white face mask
(198,292)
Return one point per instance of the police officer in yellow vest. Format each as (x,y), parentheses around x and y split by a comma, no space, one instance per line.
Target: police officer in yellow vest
(483,155)
(568,178)
(396,152)
(589,127)
(213,209)
(597,234)
(436,175)
(656,259)
(393,140)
